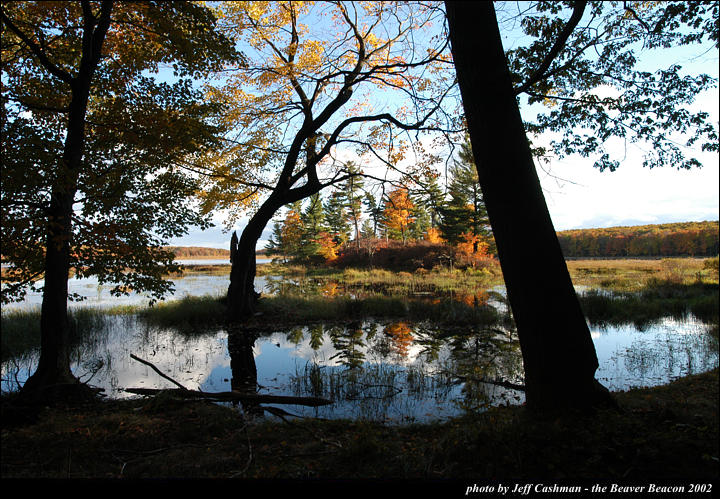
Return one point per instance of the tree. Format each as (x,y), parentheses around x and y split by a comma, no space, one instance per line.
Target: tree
(337,217)
(399,214)
(313,220)
(352,189)
(558,353)
(303,90)
(465,211)
(93,148)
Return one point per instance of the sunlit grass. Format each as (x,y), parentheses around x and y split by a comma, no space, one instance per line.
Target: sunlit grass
(636,274)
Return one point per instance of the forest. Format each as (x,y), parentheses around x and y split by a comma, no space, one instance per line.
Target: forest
(661,240)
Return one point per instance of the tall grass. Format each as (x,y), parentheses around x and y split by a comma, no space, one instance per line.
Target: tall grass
(191,313)
(289,308)
(21,327)
(656,300)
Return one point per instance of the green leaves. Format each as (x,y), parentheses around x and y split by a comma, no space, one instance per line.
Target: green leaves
(144,130)
(611,80)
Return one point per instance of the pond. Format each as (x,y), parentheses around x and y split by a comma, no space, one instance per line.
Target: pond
(378,370)
(98,295)
(386,371)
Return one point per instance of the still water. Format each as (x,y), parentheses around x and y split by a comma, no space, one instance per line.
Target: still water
(386,371)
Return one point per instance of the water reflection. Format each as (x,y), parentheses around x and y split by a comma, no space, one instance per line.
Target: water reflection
(243,369)
(391,371)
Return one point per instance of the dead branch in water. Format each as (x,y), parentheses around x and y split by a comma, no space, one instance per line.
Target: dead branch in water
(157,370)
(235,396)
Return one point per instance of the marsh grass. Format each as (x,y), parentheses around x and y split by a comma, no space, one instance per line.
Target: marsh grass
(289,308)
(188,314)
(21,328)
(656,300)
(637,274)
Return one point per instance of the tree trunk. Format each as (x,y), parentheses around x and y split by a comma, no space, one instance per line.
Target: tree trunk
(558,352)
(242,297)
(54,363)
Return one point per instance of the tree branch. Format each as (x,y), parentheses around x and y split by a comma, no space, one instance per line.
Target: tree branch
(557,47)
(36,50)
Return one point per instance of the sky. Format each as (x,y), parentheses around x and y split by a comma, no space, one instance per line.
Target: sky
(580,196)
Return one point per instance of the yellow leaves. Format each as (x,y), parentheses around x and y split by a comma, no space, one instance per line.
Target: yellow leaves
(398,211)
(434,235)
(328,247)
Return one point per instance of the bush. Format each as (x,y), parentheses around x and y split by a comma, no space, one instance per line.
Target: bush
(711,265)
(396,256)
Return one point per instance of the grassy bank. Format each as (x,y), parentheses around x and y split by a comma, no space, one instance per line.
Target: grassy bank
(663,433)
(635,274)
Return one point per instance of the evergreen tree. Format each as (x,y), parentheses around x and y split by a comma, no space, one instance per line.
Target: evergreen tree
(337,219)
(421,218)
(432,197)
(313,220)
(465,210)
(367,231)
(351,189)
(375,211)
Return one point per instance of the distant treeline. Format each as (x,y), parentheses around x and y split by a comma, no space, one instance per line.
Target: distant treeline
(198,252)
(676,239)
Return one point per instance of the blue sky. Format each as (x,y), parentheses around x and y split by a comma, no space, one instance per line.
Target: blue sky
(580,196)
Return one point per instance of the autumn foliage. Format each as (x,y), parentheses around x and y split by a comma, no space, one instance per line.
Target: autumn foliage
(399,213)
(676,239)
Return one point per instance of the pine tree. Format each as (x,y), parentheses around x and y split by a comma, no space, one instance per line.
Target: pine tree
(313,220)
(352,192)
(375,212)
(464,212)
(337,217)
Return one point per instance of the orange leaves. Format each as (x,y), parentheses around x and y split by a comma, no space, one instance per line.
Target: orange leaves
(328,247)
(434,235)
(401,337)
(472,248)
(399,212)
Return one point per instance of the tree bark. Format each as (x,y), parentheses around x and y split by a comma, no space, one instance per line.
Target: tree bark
(54,363)
(558,353)
(242,297)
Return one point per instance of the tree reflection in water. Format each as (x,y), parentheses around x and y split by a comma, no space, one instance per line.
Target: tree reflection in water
(243,368)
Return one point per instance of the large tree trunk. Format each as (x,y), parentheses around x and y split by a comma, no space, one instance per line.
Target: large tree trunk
(54,363)
(558,352)
(242,297)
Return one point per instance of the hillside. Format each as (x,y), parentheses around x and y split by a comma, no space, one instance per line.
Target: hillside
(674,239)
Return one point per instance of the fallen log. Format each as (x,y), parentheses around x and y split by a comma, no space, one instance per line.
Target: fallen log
(235,396)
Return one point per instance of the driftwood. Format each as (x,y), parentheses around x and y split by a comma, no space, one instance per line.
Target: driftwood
(235,396)
(157,370)
(226,396)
